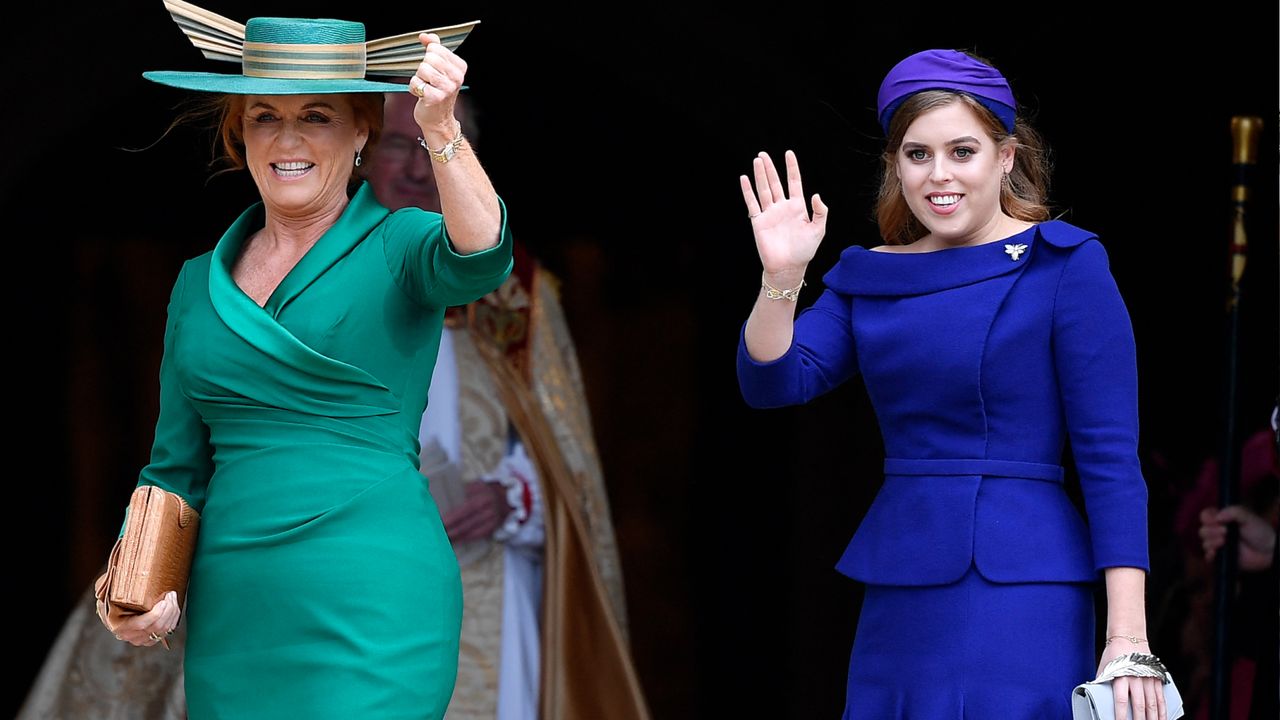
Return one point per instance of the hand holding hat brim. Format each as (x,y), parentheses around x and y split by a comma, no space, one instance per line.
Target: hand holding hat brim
(436,82)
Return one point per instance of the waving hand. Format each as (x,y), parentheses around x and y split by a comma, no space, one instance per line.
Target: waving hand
(786,237)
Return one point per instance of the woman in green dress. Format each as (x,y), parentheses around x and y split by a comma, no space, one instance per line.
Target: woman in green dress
(297,358)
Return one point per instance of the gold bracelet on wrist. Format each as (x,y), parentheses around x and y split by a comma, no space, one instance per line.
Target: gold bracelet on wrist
(446,153)
(774,293)
(1131,638)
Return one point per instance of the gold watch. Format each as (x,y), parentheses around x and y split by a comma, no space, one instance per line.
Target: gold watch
(446,153)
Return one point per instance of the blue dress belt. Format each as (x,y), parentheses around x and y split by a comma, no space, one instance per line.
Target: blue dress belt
(976,466)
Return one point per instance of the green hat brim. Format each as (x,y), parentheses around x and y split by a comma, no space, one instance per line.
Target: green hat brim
(242,85)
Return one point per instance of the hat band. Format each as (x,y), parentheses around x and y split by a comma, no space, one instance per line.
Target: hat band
(305,62)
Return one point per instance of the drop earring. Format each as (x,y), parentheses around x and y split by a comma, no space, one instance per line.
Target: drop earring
(357,158)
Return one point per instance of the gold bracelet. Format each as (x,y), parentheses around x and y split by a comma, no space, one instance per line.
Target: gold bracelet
(1131,638)
(446,153)
(774,293)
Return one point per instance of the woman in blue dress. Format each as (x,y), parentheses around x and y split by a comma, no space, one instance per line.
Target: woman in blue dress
(987,335)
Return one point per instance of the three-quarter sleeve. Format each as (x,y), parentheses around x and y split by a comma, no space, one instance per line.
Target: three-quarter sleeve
(428,269)
(181,456)
(821,356)
(1097,369)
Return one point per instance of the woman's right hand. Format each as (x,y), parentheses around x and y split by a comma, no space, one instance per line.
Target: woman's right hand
(148,628)
(786,237)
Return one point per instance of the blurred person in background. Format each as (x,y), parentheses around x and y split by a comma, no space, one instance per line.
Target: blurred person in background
(507,442)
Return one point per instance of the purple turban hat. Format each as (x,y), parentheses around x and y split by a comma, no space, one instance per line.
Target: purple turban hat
(945,70)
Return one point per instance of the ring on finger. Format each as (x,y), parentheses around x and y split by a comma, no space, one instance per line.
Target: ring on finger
(153,637)
(419,88)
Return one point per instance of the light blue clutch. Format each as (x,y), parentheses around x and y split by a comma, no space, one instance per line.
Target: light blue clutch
(1094,700)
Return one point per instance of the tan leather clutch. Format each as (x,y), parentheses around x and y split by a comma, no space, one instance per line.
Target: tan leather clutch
(151,558)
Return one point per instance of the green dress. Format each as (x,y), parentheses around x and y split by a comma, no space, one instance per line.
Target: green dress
(323,585)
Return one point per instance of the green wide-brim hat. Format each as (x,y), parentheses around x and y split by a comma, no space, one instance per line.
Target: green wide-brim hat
(297,56)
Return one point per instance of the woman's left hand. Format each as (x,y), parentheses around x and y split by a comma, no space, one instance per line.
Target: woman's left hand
(436,83)
(1144,695)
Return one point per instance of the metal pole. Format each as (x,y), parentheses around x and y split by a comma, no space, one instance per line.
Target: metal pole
(1244,133)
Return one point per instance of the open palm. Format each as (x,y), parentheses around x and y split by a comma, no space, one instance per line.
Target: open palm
(786,237)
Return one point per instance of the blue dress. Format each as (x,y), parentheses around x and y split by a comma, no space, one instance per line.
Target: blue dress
(980,361)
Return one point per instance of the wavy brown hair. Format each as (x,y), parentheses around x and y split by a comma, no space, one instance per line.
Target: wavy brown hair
(1024,196)
(224,115)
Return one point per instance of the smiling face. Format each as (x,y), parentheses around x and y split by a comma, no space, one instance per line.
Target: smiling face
(950,169)
(301,150)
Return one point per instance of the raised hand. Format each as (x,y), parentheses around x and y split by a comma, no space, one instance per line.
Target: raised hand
(436,83)
(786,237)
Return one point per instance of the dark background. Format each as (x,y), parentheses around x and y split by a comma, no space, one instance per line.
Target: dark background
(616,135)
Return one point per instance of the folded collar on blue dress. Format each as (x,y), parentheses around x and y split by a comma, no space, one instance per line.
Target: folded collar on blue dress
(866,272)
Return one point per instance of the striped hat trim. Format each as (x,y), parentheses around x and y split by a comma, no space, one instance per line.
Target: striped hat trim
(290,60)
(294,72)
